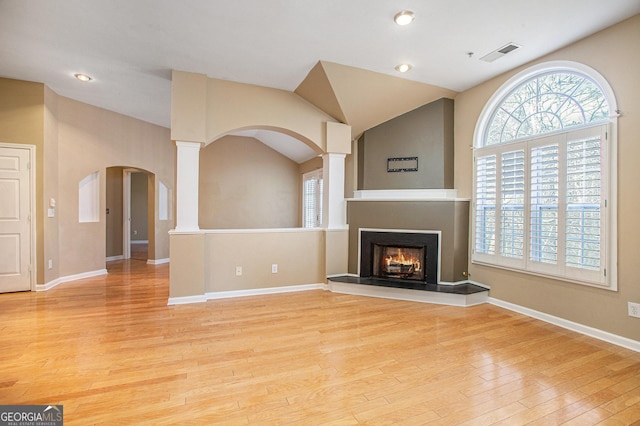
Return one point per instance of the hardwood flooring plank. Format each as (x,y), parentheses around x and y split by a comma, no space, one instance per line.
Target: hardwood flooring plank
(112,352)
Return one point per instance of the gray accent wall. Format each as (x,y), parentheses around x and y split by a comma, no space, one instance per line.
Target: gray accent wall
(426,133)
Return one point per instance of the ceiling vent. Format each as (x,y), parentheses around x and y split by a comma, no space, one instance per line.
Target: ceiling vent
(499,53)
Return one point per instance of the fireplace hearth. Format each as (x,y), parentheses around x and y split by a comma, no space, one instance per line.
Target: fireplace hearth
(404,264)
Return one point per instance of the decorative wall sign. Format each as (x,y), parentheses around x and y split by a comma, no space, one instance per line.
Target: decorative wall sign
(402,164)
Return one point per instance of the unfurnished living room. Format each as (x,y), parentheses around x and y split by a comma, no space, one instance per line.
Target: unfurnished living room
(319,212)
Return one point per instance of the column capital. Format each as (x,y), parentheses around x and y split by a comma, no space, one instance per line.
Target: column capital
(193,145)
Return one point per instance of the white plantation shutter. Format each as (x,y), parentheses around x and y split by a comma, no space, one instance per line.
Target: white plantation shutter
(512,204)
(312,199)
(548,199)
(543,208)
(583,204)
(485,217)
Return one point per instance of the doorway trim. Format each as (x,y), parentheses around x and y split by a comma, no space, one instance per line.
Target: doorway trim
(126,211)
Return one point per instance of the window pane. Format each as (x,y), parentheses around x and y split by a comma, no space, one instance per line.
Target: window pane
(485,240)
(544,186)
(544,104)
(583,204)
(512,205)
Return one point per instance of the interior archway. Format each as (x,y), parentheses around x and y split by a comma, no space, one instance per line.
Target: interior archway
(251,179)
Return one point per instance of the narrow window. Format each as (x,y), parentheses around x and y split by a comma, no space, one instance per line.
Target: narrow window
(312,199)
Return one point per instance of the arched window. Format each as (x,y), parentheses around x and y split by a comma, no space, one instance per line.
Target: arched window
(543,186)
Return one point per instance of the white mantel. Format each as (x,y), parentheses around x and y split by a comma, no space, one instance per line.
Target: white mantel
(407,195)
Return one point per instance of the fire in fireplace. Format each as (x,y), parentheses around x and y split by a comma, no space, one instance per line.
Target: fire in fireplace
(399,255)
(398,262)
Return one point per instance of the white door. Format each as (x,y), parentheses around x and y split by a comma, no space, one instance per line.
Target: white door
(15,228)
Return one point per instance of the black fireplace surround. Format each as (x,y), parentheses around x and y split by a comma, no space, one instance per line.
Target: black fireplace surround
(413,240)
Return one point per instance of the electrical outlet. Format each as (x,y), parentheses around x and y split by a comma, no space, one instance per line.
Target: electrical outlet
(274,268)
(238,271)
(50,264)
(634,309)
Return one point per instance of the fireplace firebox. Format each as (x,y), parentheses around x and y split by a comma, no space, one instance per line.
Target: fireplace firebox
(398,262)
(400,255)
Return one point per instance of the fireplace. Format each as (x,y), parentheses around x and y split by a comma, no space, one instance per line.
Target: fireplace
(399,255)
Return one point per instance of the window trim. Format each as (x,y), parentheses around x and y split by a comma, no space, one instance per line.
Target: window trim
(610,168)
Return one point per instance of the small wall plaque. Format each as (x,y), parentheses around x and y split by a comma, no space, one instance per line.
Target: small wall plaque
(402,164)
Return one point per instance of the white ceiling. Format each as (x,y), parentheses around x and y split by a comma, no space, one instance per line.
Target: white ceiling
(130,47)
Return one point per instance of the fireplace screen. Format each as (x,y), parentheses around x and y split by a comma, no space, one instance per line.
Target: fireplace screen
(398,262)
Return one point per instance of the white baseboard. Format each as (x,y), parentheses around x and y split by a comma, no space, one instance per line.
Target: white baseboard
(112,258)
(157,261)
(624,342)
(186,300)
(51,284)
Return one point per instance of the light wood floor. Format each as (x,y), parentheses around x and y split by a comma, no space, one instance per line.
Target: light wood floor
(112,352)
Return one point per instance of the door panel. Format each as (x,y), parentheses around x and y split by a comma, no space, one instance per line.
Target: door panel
(15,230)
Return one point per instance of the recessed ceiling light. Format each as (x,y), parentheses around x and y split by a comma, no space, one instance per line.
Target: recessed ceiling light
(82,77)
(403,67)
(404,17)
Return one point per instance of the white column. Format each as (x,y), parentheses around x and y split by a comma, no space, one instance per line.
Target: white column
(334,207)
(187,183)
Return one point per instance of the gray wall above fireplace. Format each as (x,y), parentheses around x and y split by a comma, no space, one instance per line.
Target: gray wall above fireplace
(426,133)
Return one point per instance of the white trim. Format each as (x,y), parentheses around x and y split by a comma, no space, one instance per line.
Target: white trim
(406,195)
(261,291)
(410,295)
(605,336)
(126,212)
(251,231)
(68,278)
(157,261)
(112,258)
(184,300)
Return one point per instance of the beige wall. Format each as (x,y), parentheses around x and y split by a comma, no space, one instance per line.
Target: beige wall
(298,253)
(22,121)
(232,106)
(244,184)
(92,139)
(615,54)
(72,140)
